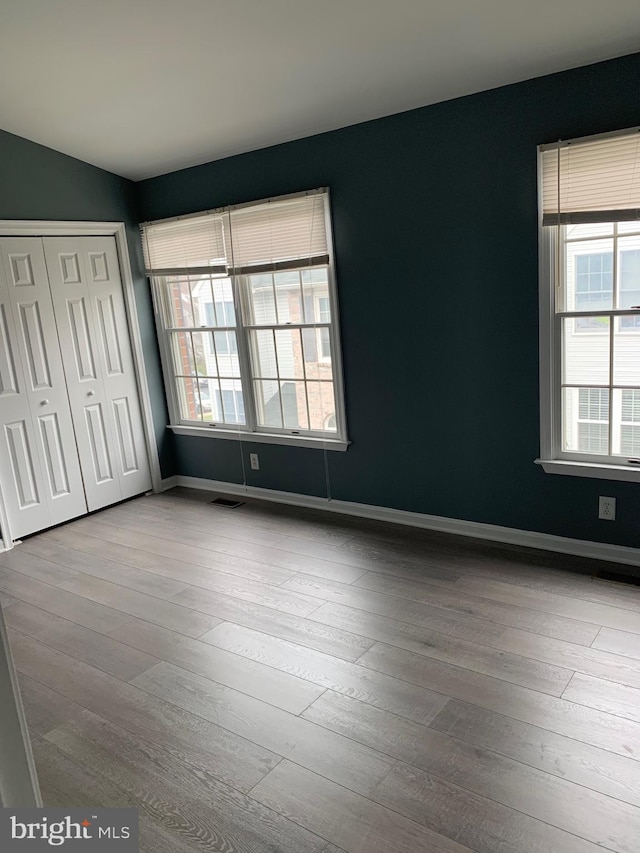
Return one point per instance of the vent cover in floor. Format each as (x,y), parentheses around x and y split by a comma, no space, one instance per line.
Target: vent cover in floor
(618,577)
(230,504)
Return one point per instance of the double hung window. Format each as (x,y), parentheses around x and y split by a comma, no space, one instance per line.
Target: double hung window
(247,320)
(590,306)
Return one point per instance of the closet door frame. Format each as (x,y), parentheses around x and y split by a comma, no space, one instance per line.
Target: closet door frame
(46,228)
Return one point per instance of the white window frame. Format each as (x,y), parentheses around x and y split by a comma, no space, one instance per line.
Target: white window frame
(322,358)
(252,431)
(552,458)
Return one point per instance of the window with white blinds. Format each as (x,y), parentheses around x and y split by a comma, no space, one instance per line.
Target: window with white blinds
(596,179)
(590,286)
(247,318)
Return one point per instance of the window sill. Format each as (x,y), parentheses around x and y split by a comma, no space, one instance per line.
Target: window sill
(594,470)
(262,437)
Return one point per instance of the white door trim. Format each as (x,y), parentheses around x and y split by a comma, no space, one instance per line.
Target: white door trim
(53,228)
(18,777)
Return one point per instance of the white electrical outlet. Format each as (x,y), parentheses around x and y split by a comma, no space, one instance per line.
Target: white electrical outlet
(607,508)
(255,462)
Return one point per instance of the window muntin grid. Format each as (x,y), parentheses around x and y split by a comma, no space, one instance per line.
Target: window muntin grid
(598,317)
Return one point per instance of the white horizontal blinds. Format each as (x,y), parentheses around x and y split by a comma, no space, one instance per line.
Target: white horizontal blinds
(279,234)
(595,179)
(189,244)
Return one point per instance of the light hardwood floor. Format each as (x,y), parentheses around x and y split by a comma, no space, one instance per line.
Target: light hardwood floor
(276,679)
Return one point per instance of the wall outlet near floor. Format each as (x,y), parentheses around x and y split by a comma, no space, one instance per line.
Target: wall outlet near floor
(255,465)
(607,508)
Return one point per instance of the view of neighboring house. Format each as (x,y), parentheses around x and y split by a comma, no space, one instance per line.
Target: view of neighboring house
(287,321)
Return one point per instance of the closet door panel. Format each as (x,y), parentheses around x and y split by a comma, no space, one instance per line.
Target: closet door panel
(39,468)
(20,475)
(8,380)
(19,445)
(89,405)
(54,456)
(114,349)
(87,296)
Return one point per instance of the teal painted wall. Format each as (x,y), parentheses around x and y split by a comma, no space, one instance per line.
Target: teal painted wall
(39,183)
(435,228)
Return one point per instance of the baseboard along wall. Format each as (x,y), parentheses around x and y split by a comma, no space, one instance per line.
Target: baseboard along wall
(459,527)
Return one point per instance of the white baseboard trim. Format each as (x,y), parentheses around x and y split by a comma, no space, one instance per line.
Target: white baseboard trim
(458,527)
(171,483)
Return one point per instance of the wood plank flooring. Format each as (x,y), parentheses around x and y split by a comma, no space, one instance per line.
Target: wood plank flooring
(277,679)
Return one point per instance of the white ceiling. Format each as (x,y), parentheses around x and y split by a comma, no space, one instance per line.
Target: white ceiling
(143,87)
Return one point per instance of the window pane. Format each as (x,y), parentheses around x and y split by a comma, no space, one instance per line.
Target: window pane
(593,404)
(294,405)
(594,281)
(586,353)
(324,309)
(629,273)
(226,312)
(227,354)
(589,229)
(212,301)
(629,227)
(183,360)
(630,405)
(626,422)
(288,297)
(188,398)
(317,353)
(629,263)
(315,288)
(586,420)
(314,277)
(289,352)
(282,404)
(593,438)
(208,389)
(219,314)
(230,402)
(226,344)
(202,301)
(325,343)
(263,354)
(626,357)
(262,305)
(630,440)
(293,296)
(268,403)
(204,353)
(178,305)
(199,301)
(223,302)
(589,275)
(322,406)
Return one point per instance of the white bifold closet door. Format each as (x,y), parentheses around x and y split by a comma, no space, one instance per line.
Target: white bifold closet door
(94,340)
(39,466)
(71,435)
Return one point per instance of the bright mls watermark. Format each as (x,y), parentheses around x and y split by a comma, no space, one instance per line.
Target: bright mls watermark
(80,830)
